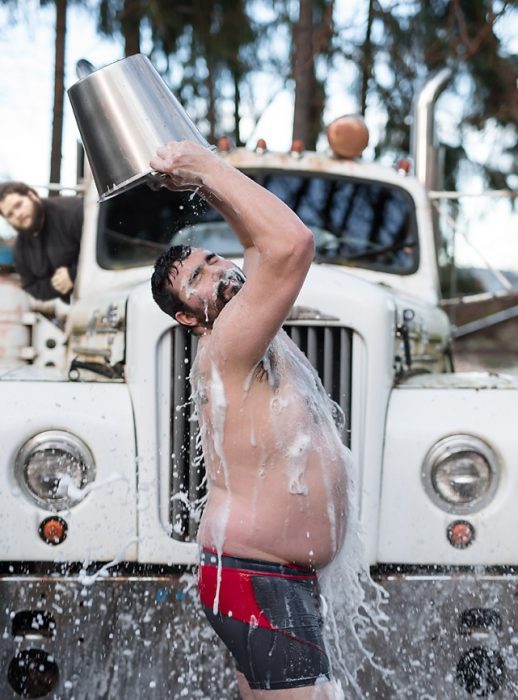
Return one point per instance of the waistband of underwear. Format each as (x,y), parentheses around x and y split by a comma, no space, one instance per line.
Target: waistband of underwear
(209,557)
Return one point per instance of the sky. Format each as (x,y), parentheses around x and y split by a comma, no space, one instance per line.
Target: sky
(26,92)
(26,89)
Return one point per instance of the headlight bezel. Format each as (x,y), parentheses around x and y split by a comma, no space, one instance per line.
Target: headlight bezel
(64,442)
(445,449)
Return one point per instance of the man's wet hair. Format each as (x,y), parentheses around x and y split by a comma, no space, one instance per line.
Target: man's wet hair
(166,268)
(14,187)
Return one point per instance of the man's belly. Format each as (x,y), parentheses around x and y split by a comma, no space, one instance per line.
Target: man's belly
(264,517)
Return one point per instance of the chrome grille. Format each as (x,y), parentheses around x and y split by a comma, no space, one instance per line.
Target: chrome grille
(327,347)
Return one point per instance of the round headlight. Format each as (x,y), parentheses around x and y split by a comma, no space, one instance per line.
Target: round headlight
(53,469)
(460,474)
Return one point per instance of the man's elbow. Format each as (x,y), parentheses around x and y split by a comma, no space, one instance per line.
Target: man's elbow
(305,244)
(296,247)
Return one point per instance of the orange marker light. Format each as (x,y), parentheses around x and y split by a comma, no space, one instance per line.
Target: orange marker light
(297,146)
(460,534)
(53,530)
(404,166)
(260,146)
(225,144)
(348,136)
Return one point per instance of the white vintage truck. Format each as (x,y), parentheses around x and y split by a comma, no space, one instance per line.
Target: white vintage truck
(100,475)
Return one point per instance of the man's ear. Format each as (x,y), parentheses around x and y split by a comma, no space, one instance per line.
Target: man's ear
(185,318)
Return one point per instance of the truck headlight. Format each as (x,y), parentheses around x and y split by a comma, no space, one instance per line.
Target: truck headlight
(460,474)
(53,469)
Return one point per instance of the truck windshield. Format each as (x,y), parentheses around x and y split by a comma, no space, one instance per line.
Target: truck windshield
(356,222)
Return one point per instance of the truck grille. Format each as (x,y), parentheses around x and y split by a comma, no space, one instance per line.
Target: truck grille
(327,347)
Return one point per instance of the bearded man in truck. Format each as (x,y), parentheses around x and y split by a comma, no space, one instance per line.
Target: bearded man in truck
(46,250)
(276,465)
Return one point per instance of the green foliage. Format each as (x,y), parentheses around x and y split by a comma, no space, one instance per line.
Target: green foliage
(414,39)
(210,40)
(213,52)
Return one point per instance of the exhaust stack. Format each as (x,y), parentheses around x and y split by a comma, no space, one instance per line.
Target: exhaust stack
(422,137)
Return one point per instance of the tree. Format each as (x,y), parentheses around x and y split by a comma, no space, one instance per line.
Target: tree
(311,38)
(366,59)
(59,91)
(206,38)
(308,24)
(415,39)
(124,16)
(209,39)
(59,85)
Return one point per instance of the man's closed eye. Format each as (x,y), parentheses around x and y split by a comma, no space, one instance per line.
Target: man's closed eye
(194,275)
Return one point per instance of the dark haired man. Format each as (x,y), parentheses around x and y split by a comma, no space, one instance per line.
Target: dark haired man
(275,463)
(46,250)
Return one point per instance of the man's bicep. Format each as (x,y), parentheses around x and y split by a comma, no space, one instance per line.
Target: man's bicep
(251,259)
(251,320)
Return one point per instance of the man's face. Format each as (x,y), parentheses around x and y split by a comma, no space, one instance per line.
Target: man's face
(205,283)
(24,212)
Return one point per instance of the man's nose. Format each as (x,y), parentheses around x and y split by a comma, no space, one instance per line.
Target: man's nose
(16,216)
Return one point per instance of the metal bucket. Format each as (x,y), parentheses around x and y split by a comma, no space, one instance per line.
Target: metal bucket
(124,112)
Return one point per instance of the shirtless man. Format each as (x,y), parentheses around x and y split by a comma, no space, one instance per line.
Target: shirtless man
(275,462)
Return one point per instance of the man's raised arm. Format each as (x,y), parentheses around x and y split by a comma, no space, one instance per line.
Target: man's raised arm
(279,248)
(257,216)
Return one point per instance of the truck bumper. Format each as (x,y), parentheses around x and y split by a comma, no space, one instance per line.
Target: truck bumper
(120,637)
(448,636)
(451,635)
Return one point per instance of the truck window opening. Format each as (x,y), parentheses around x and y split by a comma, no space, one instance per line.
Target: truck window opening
(355,222)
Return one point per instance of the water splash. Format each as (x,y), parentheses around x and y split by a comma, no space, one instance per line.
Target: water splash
(352,605)
(218,414)
(67,487)
(90,579)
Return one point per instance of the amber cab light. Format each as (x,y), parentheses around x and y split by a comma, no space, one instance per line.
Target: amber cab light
(460,534)
(224,144)
(297,147)
(53,530)
(404,166)
(260,146)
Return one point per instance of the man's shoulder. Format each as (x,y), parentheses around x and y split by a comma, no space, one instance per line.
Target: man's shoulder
(63,218)
(63,204)
(213,359)
(209,356)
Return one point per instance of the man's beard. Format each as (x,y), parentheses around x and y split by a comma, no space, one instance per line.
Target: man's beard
(228,286)
(38,216)
(224,291)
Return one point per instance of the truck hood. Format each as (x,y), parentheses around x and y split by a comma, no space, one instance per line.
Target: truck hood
(336,294)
